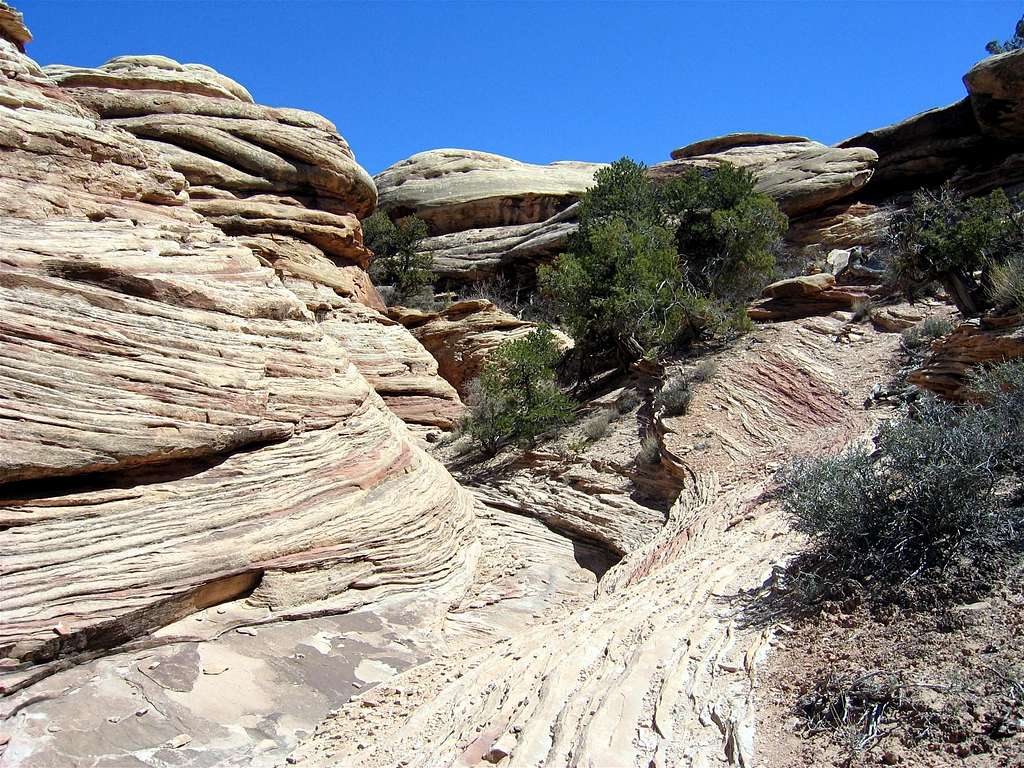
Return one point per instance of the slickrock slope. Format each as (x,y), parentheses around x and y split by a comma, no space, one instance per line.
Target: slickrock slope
(658,670)
(181,419)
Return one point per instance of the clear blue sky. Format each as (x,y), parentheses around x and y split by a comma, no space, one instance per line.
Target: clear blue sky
(553,81)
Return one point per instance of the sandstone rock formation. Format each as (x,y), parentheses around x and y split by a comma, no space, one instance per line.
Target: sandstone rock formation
(983,341)
(996,88)
(287,185)
(800,175)
(732,140)
(974,143)
(458,189)
(462,335)
(183,423)
(804,296)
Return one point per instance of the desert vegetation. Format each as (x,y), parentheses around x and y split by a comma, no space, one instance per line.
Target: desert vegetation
(937,487)
(516,397)
(405,274)
(653,266)
(972,245)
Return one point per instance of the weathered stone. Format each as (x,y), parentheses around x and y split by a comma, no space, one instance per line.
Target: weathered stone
(924,149)
(459,189)
(996,88)
(153,73)
(461,336)
(976,342)
(12,27)
(180,428)
(804,296)
(801,176)
(731,141)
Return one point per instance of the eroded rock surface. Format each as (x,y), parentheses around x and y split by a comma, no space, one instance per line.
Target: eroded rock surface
(658,670)
(800,175)
(458,189)
(183,423)
(996,88)
(984,341)
(462,335)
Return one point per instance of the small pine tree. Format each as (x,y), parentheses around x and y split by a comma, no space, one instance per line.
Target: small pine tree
(396,261)
(655,264)
(516,397)
(1014,43)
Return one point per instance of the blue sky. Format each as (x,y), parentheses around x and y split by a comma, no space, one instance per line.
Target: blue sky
(553,81)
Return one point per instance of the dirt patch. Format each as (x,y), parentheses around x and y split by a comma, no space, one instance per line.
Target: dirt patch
(858,685)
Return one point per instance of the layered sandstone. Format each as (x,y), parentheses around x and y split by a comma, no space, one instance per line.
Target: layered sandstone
(801,176)
(184,422)
(458,189)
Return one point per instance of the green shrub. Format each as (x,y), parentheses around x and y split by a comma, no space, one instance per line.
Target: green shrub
(704,372)
(650,451)
(651,265)
(628,400)
(396,262)
(1014,43)
(516,397)
(597,425)
(949,238)
(1007,282)
(924,333)
(939,483)
(675,397)
(676,394)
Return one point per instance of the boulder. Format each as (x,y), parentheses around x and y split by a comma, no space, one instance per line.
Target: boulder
(996,88)
(804,296)
(455,190)
(800,175)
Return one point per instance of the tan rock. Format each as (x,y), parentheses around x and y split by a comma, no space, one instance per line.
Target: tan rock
(730,141)
(461,336)
(976,342)
(458,189)
(800,176)
(12,27)
(185,427)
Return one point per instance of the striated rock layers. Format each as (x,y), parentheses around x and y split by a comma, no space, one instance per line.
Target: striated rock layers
(490,215)
(983,341)
(800,175)
(183,320)
(286,185)
(486,213)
